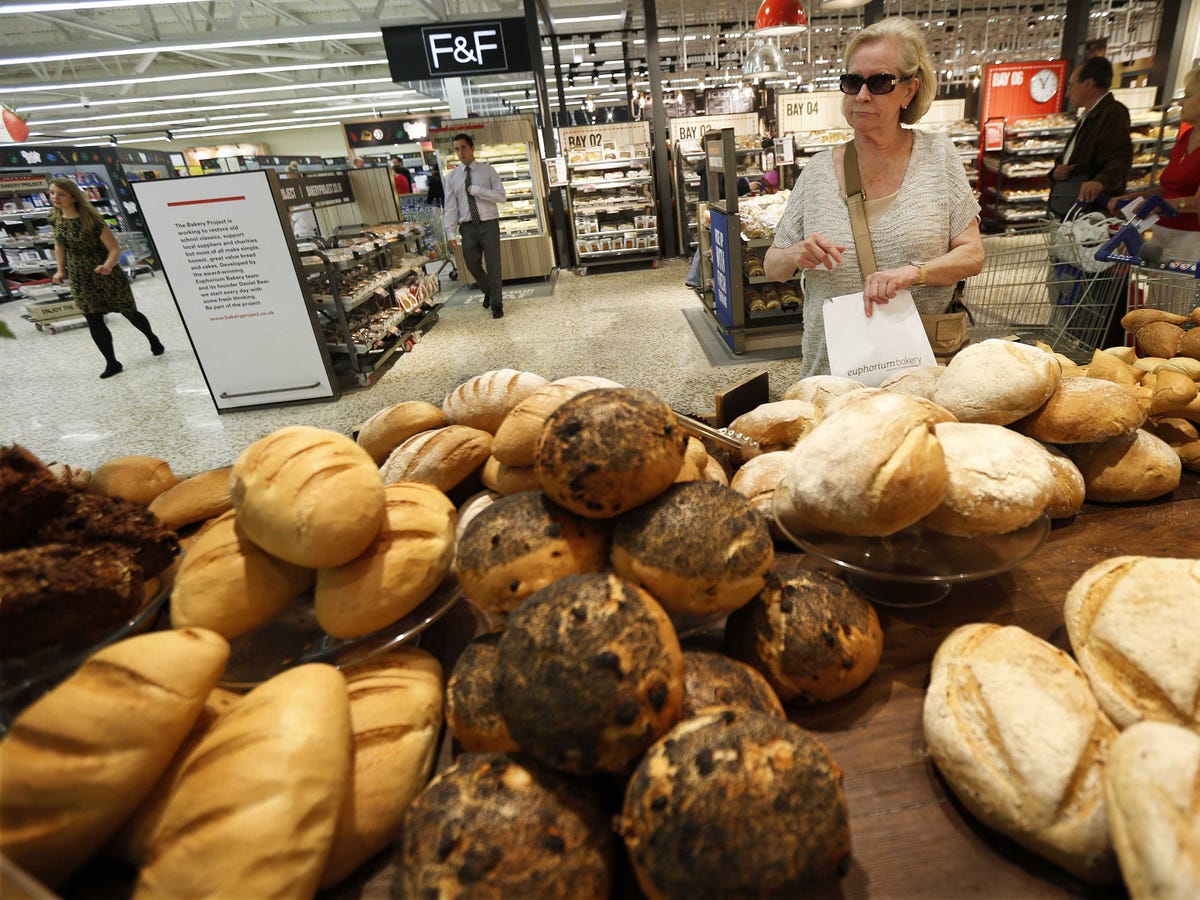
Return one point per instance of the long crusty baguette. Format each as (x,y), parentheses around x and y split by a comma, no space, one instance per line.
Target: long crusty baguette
(254,809)
(79,761)
(396,713)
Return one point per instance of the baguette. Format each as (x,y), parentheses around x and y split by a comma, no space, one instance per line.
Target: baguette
(75,764)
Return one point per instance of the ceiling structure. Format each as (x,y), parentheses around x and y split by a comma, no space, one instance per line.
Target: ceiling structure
(193,70)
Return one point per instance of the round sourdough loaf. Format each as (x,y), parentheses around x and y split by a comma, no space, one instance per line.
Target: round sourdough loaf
(757,480)
(997,382)
(472,708)
(391,427)
(483,401)
(700,548)
(920,382)
(230,585)
(200,497)
(136,478)
(606,451)
(517,437)
(403,565)
(712,680)
(777,426)
(1015,731)
(1134,624)
(866,398)
(737,804)
(1069,489)
(494,825)
(444,457)
(1126,469)
(809,634)
(503,479)
(590,674)
(1151,782)
(521,543)
(999,480)
(819,390)
(311,497)
(1084,410)
(870,468)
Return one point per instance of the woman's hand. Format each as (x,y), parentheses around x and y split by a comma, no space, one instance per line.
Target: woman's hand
(103,269)
(1114,202)
(881,287)
(58,277)
(817,250)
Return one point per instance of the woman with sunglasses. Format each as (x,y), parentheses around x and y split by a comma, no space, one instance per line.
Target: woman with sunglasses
(921,211)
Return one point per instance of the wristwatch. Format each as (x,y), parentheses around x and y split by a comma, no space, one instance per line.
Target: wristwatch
(920,269)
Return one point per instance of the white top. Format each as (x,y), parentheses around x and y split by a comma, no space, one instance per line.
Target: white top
(486,187)
(933,206)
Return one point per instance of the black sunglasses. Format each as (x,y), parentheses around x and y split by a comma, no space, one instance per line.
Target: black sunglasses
(879,83)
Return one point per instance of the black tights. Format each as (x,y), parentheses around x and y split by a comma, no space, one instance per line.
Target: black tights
(103,337)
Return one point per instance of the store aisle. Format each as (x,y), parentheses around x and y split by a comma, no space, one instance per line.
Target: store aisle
(627,326)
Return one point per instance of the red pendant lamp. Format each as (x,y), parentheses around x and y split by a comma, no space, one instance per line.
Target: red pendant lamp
(780,17)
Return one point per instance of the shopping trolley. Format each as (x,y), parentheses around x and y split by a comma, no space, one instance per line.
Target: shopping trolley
(1042,282)
(135,251)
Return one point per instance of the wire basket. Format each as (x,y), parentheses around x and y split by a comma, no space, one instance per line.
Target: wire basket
(1176,292)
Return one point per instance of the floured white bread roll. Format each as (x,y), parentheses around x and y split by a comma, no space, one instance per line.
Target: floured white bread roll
(1069,489)
(920,382)
(820,389)
(999,480)
(777,426)
(757,480)
(929,409)
(1084,410)
(997,382)
(1134,624)
(1133,467)
(1012,726)
(1152,787)
(870,469)
(483,401)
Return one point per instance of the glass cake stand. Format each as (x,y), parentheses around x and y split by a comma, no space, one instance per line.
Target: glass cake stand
(914,566)
(293,638)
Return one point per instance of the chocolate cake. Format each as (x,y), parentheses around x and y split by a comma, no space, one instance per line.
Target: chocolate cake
(29,495)
(90,519)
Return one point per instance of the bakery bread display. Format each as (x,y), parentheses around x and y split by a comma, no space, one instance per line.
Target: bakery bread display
(820,390)
(997,382)
(483,401)
(493,825)
(398,570)
(757,479)
(309,496)
(699,548)
(603,452)
(1151,782)
(716,681)
(195,499)
(1014,729)
(30,495)
(920,382)
(736,804)
(1085,410)
(1134,625)
(809,634)
(392,426)
(503,479)
(88,520)
(777,426)
(136,478)
(472,707)
(470,508)
(1136,466)
(590,674)
(1069,489)
(444,457)
(516,439)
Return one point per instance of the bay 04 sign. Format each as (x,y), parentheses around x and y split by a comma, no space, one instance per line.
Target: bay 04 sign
(453,49)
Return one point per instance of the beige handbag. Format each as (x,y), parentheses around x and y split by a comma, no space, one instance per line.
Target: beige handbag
(947,332)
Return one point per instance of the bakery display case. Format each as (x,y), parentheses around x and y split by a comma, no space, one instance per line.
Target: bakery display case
(687,133)
(1154,132)
(1014,185)
(610,193)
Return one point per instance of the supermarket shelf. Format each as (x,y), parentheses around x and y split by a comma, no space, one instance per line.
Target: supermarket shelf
(763,279)
(591,235)
(647,253)
(608,164)
(760,242)
(624,207)
(1034,132)
(609,184)
(1052,150)
(773,315)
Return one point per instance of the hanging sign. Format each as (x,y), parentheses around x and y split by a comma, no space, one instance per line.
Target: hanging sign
(320,189)
(1023,89)
(693,128)
(588,137)
(455,49)
(809,111)
(723,101)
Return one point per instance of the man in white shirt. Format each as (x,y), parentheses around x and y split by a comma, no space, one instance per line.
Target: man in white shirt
(472,192)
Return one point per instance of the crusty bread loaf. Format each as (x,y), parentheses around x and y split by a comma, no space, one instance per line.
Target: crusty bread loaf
(516,438)
(1151,782)
(699,548)
(1084,410)
(999,480)
(472,707)
(483,401)
(229,584)
(777,426)
(760,794)
(195,499)
(76,763)
(714,471)
(503,479)
(1069,489)
(396,717)
(408,559)
(714,680)
(1173,431)
(75,477)
(866,398)
(1111,368)
(997,382)
(470,508)
(1134,624)
(871,468)
(819,390)
(1133,467)
(254,811)
(443,457)
(309,496)
(757,480)
(920,382)
(391,427)
(1012,726)
(696,453)
(587,382)
(136,478)
(521,543)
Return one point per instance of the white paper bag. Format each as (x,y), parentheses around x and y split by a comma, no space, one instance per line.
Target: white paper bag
(872,350)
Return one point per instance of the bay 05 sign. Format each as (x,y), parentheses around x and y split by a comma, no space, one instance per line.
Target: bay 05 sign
(453,49)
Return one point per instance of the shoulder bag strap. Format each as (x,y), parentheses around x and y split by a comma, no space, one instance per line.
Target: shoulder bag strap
(855,200)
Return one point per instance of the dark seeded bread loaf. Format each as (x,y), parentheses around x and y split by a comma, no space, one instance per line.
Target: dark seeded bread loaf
(715,680)
(472,708)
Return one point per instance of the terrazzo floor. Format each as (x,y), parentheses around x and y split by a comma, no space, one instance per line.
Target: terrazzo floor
(627,326)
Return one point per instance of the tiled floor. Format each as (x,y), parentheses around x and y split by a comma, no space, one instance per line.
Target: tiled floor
(627,326)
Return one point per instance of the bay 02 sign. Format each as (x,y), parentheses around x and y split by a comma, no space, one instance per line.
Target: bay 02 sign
(453,49)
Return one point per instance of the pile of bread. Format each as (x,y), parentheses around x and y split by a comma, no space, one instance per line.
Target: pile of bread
(1091,762)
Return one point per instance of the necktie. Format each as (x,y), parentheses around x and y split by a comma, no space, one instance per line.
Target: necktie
(471,198)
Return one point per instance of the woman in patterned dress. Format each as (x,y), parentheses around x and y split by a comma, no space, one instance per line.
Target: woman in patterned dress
(921,212)
(87,250)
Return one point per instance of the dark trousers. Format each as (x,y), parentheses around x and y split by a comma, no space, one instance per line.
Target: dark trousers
(480,248)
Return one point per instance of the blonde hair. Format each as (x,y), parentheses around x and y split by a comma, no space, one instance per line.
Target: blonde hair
(914,60)
(92,220)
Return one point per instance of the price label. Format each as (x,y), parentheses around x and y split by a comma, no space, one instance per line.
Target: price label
(815,111)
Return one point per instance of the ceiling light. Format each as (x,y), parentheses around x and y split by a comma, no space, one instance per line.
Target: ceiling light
(843,4)
(72,5)
(578,20)
(764,61)
(780,17)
